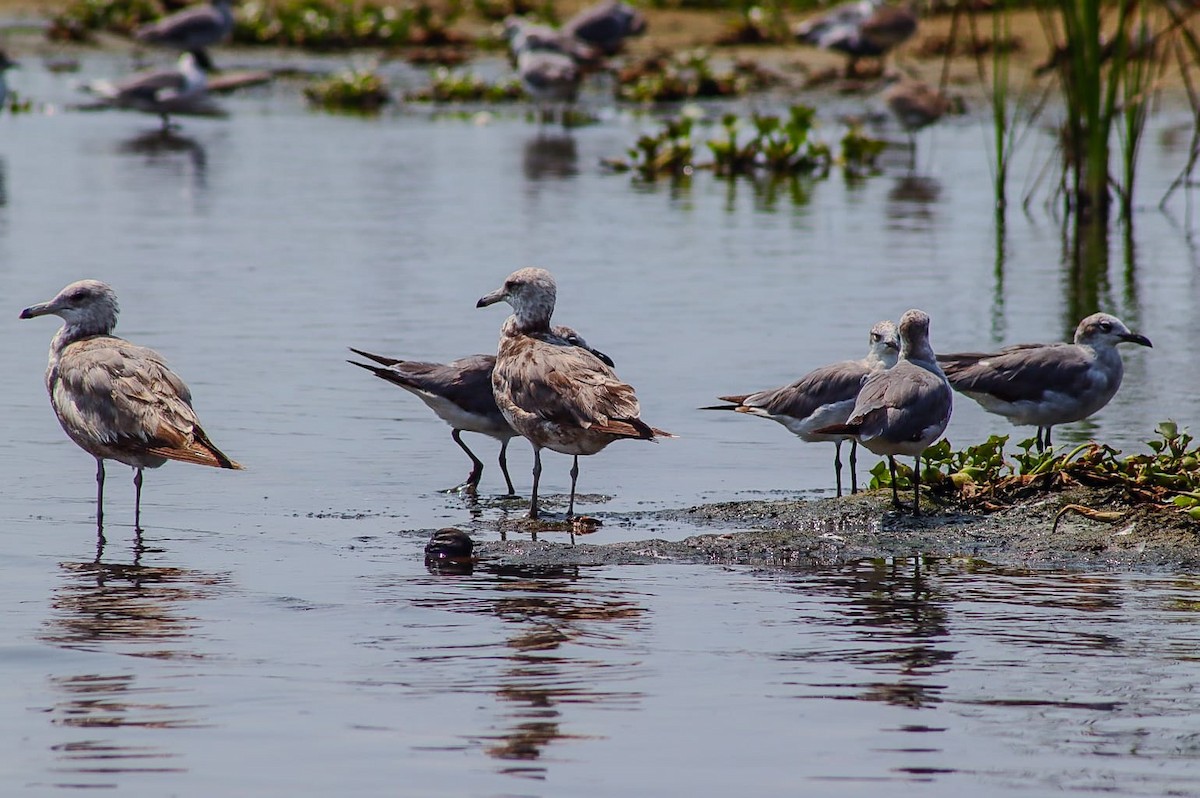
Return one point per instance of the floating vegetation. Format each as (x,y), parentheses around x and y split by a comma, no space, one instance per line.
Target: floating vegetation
(689,75)
(16,104)
(765,144)
(984,478)
(757,24)
(352,90)
(317,24)
(466,87)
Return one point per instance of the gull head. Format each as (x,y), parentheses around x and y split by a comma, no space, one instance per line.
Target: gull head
(885,343)
(1101,329)
(531,292)
(575,339)
(914,336)
(89,306)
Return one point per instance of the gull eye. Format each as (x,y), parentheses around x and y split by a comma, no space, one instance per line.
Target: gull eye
(876,337)
(1106,326)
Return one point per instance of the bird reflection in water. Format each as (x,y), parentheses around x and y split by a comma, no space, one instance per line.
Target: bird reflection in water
(162,147)
(550,156)
(891,601)
(450,551)
(3,183)
(565,649)
(128,609)
(913,198)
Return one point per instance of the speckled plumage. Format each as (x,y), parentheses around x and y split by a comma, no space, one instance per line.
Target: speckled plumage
(460,393)
(558,396)
(116,400)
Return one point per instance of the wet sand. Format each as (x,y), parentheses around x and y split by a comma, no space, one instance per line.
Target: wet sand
(830,531)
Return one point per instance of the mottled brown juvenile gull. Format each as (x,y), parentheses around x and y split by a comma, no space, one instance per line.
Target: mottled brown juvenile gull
(523,34)
(116,400)
(1046,384)
(192,30)
(181,90)
(560,397)
(904,409)
(822,397)
(916,105)
(859,29)
(460,393)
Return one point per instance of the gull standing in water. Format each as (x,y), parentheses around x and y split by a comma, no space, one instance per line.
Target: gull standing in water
(1047,384)
(116,400)
(191,30)
(859,29)
(822,397)
(561,397)
(904,409)
(460,393)
(182,90)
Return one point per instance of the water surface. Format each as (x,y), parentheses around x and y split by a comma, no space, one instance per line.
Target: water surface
(277,634)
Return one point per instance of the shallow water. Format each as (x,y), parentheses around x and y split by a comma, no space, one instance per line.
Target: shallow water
(279,634)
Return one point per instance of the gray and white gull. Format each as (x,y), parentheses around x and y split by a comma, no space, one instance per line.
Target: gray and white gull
(859,29)
(116,400)
(191,30)
(904,409)
(460,393)
(822,397)
(180,90)
(560,397)
(1046,384)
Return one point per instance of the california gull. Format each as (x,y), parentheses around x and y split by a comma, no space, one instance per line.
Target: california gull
(1046,384)
(606,25)
(116,400)
(822,397)
(561,397)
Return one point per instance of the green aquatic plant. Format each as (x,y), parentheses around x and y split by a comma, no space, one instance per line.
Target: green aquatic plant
(983,477)
(317,24)
(668,152)
(764,144)
(449,86)
(688,75)
(351,90)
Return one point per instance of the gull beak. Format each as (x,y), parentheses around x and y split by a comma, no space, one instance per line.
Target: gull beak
(1134,338)
(33,311)
(605,358)
(496,296)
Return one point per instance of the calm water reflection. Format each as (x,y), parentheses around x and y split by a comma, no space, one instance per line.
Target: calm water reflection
(279,634)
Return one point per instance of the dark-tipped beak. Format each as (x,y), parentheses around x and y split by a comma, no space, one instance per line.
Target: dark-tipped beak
(490,299)
(33,311)
(607,360)
(1134,338)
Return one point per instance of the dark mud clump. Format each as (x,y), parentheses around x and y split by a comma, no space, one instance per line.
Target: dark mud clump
(799,533)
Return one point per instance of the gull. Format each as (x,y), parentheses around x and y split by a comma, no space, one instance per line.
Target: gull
(561,397)
(822,397)
(1046,384)
(549,77)
(191,30)
(915,104)
(116,400)
(181,91)
(859,29)
(5,64)
(460,393)
(606,25)
(522,35)
(904,409)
